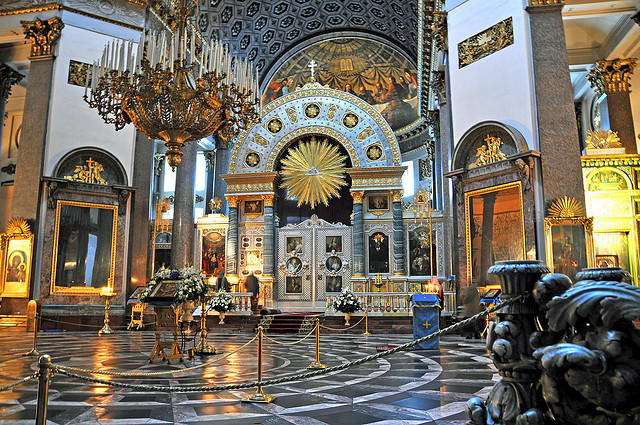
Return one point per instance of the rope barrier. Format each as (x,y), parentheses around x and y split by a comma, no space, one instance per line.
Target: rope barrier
(292,343)
(88,326)
(18,382)
(140,374)
(343,329)
(290,378)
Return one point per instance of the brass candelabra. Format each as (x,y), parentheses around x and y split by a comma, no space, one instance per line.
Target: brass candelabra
(106,329)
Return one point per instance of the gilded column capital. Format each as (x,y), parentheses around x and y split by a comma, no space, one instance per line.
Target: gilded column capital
(268,199)
(357,196)
(8,77)
(233,201)
(43,34)
(612,76)
(396,195)
(438,29)
(544,2)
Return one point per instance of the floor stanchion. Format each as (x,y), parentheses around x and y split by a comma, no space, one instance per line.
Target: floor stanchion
(259,396)
(317,364)
(34,351)
(366,322)
(44,374)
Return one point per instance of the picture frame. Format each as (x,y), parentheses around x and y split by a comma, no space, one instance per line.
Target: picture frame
(165,289)
(378,203)
(569,244)
(294,244)
(135,295)
(293,285)
(213,252)
(333,284)
(607,261)
(253,207)
(333,243)
(294,265)
(15,279)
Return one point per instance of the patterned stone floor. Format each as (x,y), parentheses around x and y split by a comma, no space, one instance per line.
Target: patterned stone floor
(409,387)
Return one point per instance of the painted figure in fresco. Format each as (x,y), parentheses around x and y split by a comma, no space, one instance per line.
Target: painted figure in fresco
(285,87)
(17,267)
(380,93)
(349,89)
(411,79)
(366,95)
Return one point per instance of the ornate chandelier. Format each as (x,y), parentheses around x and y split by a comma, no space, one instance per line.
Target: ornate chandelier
(314,172)
(171,93)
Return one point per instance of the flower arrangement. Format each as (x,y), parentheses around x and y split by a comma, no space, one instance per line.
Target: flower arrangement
(347,302)
(192,284)
(222,302)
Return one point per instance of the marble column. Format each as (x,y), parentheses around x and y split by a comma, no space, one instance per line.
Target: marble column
(222,168)
(556,119)
(358,234)
(140,209)
(210,159)
(399,268)
(612,77)
(448,197)
(8,77)
(231,264)
(183,228)
(268,252)
(27,188)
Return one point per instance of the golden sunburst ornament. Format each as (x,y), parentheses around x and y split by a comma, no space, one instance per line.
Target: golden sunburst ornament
(18,225)
(566,208)
(603,139)
(313,172)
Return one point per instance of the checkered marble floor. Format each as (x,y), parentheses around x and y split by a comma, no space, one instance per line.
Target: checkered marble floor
(409,387)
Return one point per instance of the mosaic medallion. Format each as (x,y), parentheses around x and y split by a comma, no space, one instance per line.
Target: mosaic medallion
(294,265)
(252,159)
(275,125)
(374,152)
(333,263)
(312,110)
(350,120)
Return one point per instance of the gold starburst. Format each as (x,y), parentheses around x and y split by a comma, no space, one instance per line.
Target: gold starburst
(603,139)
(566,207)
(313,172)
(18,225)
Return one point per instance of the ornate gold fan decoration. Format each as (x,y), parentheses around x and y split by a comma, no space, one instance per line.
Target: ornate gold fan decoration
(313,172)
(603,139)
(18,225)
(566,208)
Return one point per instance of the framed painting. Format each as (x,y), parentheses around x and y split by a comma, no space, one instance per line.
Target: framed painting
(294,265)
(333,243)
(136,293)
(378,253)
(293,285)
(494,221)
(213,253)
(253,207)
(294,244)
(422,252)
(569,244)
(333,284)
(165,289)
(607,261)
(378,203)
(15,278)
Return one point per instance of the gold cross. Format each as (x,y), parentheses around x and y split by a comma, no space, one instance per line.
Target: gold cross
(426,324)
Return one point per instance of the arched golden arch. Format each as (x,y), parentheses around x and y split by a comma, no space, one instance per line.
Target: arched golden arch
(314,130)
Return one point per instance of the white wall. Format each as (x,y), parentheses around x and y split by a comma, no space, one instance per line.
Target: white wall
(635,103)
(72,124)
(497,87)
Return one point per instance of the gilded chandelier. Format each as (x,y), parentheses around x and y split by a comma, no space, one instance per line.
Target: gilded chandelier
(171,93)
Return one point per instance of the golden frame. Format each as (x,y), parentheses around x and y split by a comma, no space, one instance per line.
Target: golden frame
(22,291)
(467,219)
(81,290)
(587,225)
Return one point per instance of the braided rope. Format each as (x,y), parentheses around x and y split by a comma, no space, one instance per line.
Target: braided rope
(297,377)
(343,329)
(291,343)
(18,382)
(88,326)
(140,374)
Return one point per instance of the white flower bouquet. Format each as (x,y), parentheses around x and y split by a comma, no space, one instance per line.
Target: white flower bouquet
(192,284)
(347,302)
(222,302)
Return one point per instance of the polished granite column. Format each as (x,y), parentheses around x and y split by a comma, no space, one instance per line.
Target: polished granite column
(358,234)
(269,246)
(210,159)
(556,119)
(399,268)
(222,167)
(8,77)
(182,233)
(139,237)
(232,237)
(612,77)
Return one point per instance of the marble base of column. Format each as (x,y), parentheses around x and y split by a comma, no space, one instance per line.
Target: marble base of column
(183,229)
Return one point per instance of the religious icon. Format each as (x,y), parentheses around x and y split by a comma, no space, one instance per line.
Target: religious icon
(334,243)
(333,284)
(378,203)
(16,266)
(333,264)
(378,253)
(165,289)
(606,261)
(294,265)
(253,207)
(569,249)
(213,258)
(294,244)
(293,285)
(420,255)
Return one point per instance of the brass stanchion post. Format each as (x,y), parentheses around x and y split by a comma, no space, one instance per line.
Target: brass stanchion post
(106,329)
(259,396)
(317,364)
(366,322)
(36,325)
(203,347)
(44,374)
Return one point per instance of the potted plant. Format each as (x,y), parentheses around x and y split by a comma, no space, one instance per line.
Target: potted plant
(347,302)
(222,302)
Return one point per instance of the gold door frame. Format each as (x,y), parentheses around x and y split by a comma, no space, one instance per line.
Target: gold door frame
(467,219)
(83,290)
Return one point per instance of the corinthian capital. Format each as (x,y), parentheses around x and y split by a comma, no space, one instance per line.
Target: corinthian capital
(8,77)
(43,34)
(612,76)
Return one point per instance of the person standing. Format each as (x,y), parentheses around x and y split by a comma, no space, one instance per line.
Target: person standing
(222,282)
(253,285)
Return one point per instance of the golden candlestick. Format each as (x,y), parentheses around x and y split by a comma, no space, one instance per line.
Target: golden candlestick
(106,329)
(203,347)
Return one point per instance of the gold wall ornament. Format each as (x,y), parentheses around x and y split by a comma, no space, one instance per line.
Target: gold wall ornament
(490,152)
(18,225)
(291,113)
(612,76)
(603,139)
(268,200)
(357,196)
(566,208)
(78,73)
(233,201)
(313,172)
(396,195)
(89,173)
(43,34)
(438,29)
(171,93)
(544,2)
(483,44)
(367,132)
